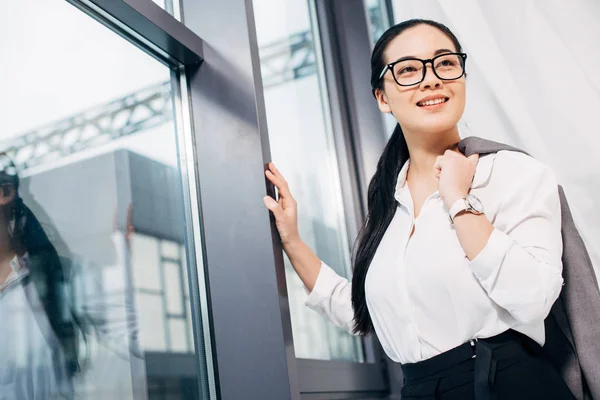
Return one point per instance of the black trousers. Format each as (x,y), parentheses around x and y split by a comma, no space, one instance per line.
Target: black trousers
(509,366)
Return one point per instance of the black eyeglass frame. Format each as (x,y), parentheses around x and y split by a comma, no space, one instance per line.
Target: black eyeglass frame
(425,62)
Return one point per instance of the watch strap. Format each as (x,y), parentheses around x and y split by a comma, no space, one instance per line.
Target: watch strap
(458,206)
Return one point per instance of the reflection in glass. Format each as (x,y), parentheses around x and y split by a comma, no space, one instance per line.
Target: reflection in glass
(379,19)
(379,22)
(302,148)
(94,299)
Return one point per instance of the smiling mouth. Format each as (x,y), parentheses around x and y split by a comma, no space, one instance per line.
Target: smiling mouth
(433,102)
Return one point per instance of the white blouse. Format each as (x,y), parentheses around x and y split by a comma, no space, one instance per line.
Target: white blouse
(32,363)
(424,295)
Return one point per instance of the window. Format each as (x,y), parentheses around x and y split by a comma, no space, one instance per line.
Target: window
(96,300)
(379,18)
(302,148)
(379,21)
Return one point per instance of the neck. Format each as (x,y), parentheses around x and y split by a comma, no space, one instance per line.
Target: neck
(425,148)
(6,255)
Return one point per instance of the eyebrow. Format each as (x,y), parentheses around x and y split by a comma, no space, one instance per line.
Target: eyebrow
(437,52)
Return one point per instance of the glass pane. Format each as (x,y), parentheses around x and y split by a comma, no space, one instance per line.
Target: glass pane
(302,148)
(145,262)
(152,322)
(379,21)
(92,303)
(178,335)
(174,293)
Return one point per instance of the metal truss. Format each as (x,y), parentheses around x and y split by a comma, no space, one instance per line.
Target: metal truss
(142,110)
(281,62)
(289,59)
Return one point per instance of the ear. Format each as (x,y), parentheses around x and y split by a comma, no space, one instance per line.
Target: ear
(382,101)
(7,194)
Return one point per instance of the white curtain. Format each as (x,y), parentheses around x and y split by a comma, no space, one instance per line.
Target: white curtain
(533,82)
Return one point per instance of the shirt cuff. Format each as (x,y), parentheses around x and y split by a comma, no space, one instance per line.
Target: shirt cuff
(487,263)
(326,282)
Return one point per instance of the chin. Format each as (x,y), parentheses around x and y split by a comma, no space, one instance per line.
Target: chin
(435,127)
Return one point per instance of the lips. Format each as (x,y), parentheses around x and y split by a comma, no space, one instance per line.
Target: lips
(432,101)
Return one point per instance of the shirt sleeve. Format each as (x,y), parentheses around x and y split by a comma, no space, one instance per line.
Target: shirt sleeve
(332,297)
(521,265)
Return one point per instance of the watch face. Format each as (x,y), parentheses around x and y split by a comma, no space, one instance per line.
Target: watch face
(475,203)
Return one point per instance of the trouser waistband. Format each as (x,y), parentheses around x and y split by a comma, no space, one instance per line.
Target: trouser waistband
(486,353)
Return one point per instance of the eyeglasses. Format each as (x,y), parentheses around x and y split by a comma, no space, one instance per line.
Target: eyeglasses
(411,71)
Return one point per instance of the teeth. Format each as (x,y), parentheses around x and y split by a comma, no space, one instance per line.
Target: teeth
(432,102)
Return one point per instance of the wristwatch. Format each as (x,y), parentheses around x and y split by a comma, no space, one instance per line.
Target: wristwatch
(469,203)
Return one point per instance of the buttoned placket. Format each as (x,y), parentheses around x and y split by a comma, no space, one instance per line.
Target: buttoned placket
(404,198)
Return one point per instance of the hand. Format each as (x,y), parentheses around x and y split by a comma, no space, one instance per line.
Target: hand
(455,173)
(285,211)
(129,229)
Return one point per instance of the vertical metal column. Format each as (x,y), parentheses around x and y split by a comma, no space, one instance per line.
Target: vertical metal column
(251,327)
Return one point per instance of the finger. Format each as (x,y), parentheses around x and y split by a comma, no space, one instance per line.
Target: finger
(278,180)
(276,171)
(280,184)
(273,206)
(285,199)
(438,163)
(284,196)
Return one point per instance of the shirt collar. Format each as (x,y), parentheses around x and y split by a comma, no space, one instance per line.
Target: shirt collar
(19,269)
(482,174)
(400,182)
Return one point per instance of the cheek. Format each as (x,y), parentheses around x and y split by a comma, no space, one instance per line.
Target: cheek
(459,92)
(459,103)
(401,101)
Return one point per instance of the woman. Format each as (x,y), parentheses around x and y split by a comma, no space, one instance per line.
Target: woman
(44,330)
(459,260)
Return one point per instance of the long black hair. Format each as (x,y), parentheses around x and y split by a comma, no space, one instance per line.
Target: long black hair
(48,272)
(381,202)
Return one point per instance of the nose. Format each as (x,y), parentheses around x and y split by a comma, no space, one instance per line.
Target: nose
(430,80)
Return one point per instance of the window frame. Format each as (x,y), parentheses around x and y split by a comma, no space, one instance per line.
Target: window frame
(359,137)
(242,326)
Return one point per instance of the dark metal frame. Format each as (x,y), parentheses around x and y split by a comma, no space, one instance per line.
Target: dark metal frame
(144,23)
(241,272)
(250,322)
(155,31)
(359,137)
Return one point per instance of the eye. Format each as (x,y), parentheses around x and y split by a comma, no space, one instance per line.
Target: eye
(448,61)
(407,70)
